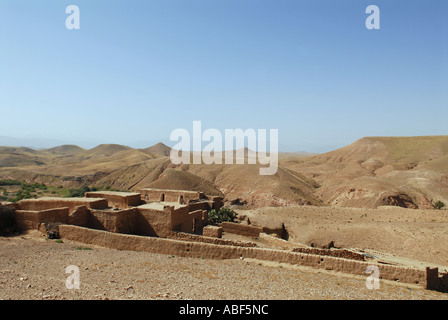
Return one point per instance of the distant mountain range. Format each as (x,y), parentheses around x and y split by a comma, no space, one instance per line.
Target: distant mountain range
(35,143)
(374,171)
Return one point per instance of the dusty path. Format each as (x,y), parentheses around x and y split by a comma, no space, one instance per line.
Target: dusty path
(34,268)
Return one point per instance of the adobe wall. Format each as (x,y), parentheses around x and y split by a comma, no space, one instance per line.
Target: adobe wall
(212,231)
(180,220)
(145,220)
(121,221)
(241,229)
(217,202)
(29,219)
(203,205)
(340,253)
(80,216)
(71,203)
(198,220)
(204,239)
(26,220)
(119,200)
(153,222)
(150,194)
(213,251)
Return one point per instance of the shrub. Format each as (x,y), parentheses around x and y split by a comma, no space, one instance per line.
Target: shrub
(222,215)
(78,193)
(10,182)
(439,205)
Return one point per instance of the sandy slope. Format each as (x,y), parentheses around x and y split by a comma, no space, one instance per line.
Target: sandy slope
(409,233)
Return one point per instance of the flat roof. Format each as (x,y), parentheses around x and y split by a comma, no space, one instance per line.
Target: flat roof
(161,205)
(66,199)
(115,193)
(154,189)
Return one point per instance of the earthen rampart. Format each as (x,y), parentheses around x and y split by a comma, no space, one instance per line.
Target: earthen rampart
(241,229)
(213,251)
(203,239)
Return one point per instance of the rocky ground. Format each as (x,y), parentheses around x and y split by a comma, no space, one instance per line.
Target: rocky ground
(32,267)
(414,234)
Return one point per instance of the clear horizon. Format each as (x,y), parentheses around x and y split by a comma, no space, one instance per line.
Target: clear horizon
(135,72)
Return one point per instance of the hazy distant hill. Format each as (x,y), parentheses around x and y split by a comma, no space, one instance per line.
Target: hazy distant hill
(65,150)
(373,171)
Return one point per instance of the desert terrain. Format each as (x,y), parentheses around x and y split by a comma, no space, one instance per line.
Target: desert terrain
(375,171)
(377,195)
(33,268)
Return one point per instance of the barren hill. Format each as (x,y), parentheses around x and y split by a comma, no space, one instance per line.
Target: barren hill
(160,149)
(405,171)
(105,150)
(65,150)
(375,171)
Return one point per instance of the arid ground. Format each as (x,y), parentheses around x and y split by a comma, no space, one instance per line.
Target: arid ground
(32,267)
(377,194)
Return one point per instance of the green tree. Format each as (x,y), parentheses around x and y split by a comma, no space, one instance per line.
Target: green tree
(78,193)
(439,205)
(222,215)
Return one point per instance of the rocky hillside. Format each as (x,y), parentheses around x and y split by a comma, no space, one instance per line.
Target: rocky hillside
(404,171)
(375,171)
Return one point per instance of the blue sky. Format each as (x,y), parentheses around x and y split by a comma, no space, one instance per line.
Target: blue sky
(137,70)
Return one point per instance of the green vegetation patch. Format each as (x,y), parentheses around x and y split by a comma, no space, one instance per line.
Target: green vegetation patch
(222,215)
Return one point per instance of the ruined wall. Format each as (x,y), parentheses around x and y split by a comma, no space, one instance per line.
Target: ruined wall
(51,203)
(277,242)
(340,253)
(212,251)
(149,194)
(204,239)
(278,230)
(119,200)
(153,222)
(79,216)
(29,219)
(103,220)
(121,221)
(147,220)
(212,231)
(200,219)
(217,203)
(185,220)
(180,220)
(203,205)
(241,229)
